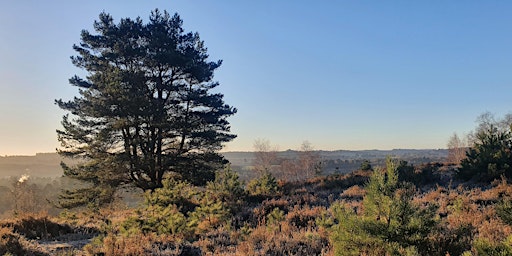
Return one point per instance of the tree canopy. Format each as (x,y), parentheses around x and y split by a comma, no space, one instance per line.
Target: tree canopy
(490,157)
(146,107)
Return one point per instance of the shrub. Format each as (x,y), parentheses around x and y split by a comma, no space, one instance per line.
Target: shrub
(349,236)
(485,247)
(182,210)
(139,244)
(260,212)
(173,192)
(266,185)
(391,223)
(265,241)
(448,240)
(227,188)
(354,193)
(157,219)
(275,216)
(217,242)
(164,211)
(366,166)
(39,227)
(422,175)
(304,217)
(504,211)
(9,243)
(208,215)
(490,157)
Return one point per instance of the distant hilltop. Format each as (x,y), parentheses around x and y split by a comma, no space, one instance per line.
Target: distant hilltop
(48,164)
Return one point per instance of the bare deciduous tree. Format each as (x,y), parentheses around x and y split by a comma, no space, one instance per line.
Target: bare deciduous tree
(289,170)
(309,160)
(457,148)
(306,165)
(265,156)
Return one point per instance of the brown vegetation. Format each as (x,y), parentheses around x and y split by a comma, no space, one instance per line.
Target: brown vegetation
(297,220)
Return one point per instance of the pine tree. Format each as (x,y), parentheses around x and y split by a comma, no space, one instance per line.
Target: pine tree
(490,157)
(391,223)
(146,107)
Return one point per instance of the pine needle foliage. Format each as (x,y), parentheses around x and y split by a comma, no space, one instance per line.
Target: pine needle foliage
(146,107)
(391,224)
(227,188)
(265,185)
(490,157)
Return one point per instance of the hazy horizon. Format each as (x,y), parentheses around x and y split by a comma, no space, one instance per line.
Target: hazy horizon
(279,150)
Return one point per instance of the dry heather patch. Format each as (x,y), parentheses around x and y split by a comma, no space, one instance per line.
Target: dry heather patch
(493,229)
(38,234)
(10,242)
(285,240)
(220,241)
(337,183)
(470,212)
(39,227)
(354,193)
(139,244)
(260,212)
(304,217)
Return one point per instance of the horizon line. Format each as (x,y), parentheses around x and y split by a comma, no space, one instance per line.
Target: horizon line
(251,151)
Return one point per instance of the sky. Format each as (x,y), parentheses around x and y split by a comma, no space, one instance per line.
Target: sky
(346,75)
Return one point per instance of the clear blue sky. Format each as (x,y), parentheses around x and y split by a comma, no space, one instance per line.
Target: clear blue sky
(340,74)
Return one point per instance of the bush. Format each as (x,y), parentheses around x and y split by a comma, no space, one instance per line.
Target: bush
(489,158)
(485,247)
(422,175)
(391,223)
(449,240)
(273,242)
(174,192)
(9,243)
(159,220)
(39,227)
(266,185)
(275,216)
(504,211)
(227,188)
(182,210)
(209,215)
(366,166)
(12,243)
(139,244)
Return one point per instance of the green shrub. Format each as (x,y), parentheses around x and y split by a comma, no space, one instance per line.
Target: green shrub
(489,158)
(174,192)
(366,166)
(352,235)
(424,174)
(157,219)
(275,216)
(391,223)
(485,247)
(266,185)
(182,210)
(504,211)
(210,214)
(227,188)
(165,211)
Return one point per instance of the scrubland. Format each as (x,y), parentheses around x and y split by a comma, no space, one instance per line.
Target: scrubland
(398,210)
